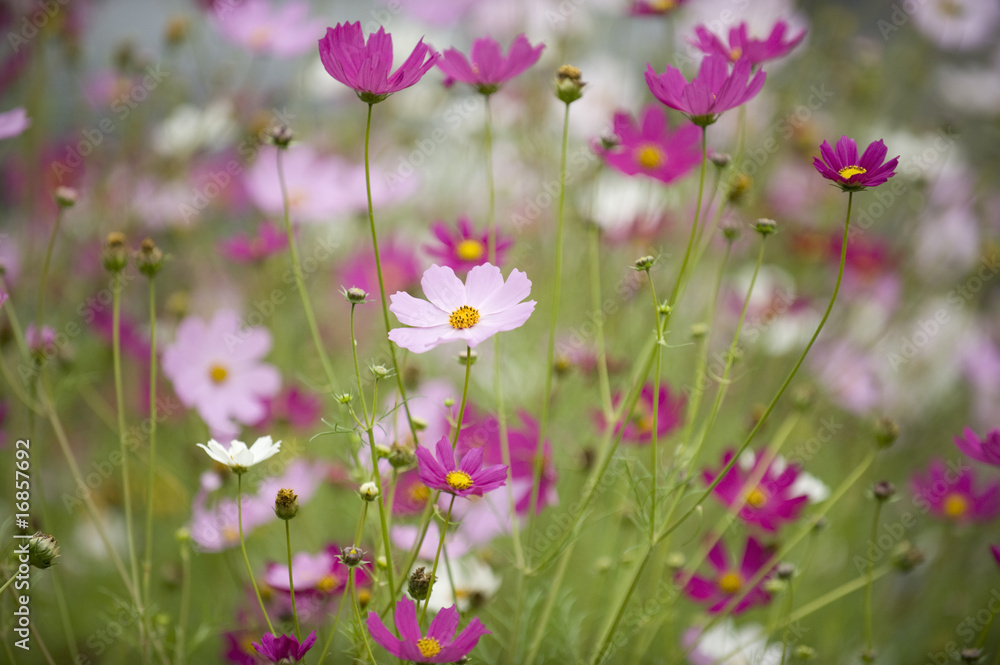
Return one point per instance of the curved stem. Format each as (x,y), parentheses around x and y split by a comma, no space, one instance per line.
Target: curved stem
(291,582)
(357,615)
(465,394)
(243,547)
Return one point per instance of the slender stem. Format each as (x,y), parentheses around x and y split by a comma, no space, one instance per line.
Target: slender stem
(381,281)
(243,546)
(147,564)
(871,579)
(788,611)
(465,394)
(40,308)
(7,583)
(694,225)
(357,615)
(491,218)
(291,582)
(299,280)
(543,425)
(182,618)
(836,594)
(654,447)
(332,633)
(437,556)
(607,405)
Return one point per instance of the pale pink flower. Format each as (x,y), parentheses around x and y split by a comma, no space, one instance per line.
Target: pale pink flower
(283,31)
(13,123)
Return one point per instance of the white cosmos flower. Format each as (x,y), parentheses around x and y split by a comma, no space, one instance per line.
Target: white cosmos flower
(239,458)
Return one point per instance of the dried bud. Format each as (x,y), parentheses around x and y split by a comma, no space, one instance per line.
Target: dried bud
(883,491)
(569,85)
(886,432)
(420,583)
(765,226)
(644,263)
(65,197)
(739,186)
(286,504)
(355,296)
(281,135)
(352,556)
(42,550)
(369,491)
(149,258)
(115,256)
(720,159)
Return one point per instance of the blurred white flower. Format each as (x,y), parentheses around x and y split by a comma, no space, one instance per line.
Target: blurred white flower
(959,25)
(474,583)
(189,129)
(726,644)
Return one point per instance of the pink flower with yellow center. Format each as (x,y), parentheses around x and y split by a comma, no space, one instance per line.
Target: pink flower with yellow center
(731,579)
(321,573)
(282,31)
(461,248)
(712,92)
(439,645)
(741,44)
(852,173)
(949,492)
(651,149)
(467,478)
(770,502)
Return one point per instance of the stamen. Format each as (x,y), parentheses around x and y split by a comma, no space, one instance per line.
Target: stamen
(730,583)
(458,480)
(218,373)
(464,317)
(429,647)
(650,157)
(470,250)
(849,171)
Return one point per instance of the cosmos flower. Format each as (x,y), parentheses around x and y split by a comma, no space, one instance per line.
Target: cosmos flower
(651,149)
(982,450)
(321,573)
(466,479)
(284,649)
(950,493)
(730,579)
(727,644)
(238,457)
(654,7)
(13,123)
(364,66)
(216,368)
(487,68)
(439,646)
(269,240)
(850,173)
(639,429)
(298,408)
(461,248)
(262,28)
(954,25)
(400,268)
(742,45)
(713,91)
(472,312)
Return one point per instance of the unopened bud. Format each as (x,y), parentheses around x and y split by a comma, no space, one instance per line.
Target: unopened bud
(419,584)
(699,330)
(803,396)
(400,457)
(286,504)
(355,296)
(720,159)
(907,557)
(344,398)
(65,197)
(765,226)
(644,263)
(970,655)
(352,556)
(468,357)
(149,258)
(281,135)
(785,570)
(739,186)
(42,550)
(886,432)
(369,491)
(883,491)
(569,85)
(115,256)
(803,652)
(380,372)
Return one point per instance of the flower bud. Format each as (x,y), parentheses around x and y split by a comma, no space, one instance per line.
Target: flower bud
(803,652)
(400,457)
(970,655)
(449,402)
(730,231)
(182,535)
(869,655)
(739,186)
(115,255)
(765,226)
(281,135)
(569,85)
(344,398)
(883,491)
(369,491)
(380,372)
(699,330)
(355,296)
(42,550)
(720,159)
(65,197)
(785,570)
(286,504)
(419,584)
(352,556)
(468,357)
(906,557)
(149,258)
(803,396)
(886,432)
(382,451)
(644,263)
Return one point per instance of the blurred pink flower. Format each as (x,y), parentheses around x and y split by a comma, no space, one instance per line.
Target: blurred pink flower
(321,573)
(654,7)
(949,493)
(13,123)
(742,45)
(651,148)
(217,368)
(301,410)
(283,31)
(462,248)
(364,66)
(400,268)
(713,91)
(731,579)
(770,503)
(269,240)
(489,68)
(959,25)
(440,645)
(639,429)
(986,450)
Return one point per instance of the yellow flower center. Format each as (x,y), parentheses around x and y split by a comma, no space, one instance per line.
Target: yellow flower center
(328,584)
(955,505)
(218,373)
(464,317)
(230,535)
(429,647)
(650,157)
(756,498)
(260,37)
(735,54)
(470,250)
(730,583)
(296,197)
(364,597)
(951,8)
(849,171)
(663,5)
(419,493)
(458,480)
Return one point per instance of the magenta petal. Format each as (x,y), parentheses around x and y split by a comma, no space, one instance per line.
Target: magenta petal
(383,636)
(443,626)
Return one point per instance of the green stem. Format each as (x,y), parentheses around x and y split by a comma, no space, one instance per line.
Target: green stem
(7,583)
(595,303)
(465,393)
(182,619)
(147,564)
(243,547)
(437,556)
(357,615)
(694,225)
(868,587)
(39,310)
(299,280)
(291,582)
(654,448)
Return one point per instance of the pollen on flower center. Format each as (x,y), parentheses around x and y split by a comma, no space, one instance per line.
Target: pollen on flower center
(650,157)
(419,493)
(756,498)
(428,646)
(464,317)
(458,480)
(735,54)
(328,584)
(849,171)
(730,583)
(955,505)
(663,5)
(470,250)
(218,373)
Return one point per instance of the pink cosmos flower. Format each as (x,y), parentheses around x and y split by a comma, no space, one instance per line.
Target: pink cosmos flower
(731,579)
(467,479)
(321,573)
(471,312)
(461,248)
(949,493)
(301,410)
(986,450)
(850,173)
(651,149)
(411,495)
(741,45)
(269,240)
(365,66)
(489,68)
(713,91)
(770,503)
(639,430)
(217,368)
(439,646)
(315,185)
(13,123)
(400,268)
(284,649)
(283,31)
(654,7)
(43,343)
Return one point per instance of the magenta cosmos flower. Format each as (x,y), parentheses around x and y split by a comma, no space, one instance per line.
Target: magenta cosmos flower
(651,149)
(262,28)
(949,493)
(768,504)
(461,248)
(851,174)
(654,7)
(466,479)
(713,91)
(471,312)
(639,429)
(986,450)
(284,649)
(489,68)
(322,573)
(365,66)
(217,368)
(742,45)
(731,579)
(269,240)
(437,647)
